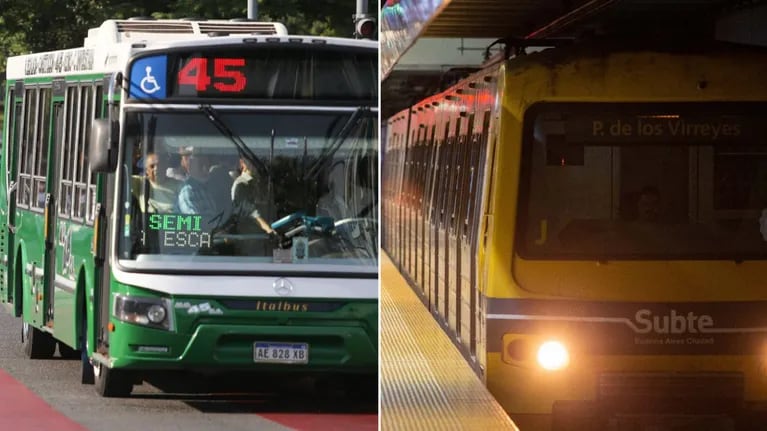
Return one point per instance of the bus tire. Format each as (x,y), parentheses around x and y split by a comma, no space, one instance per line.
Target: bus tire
(111,383)
(36,343)
(86,374)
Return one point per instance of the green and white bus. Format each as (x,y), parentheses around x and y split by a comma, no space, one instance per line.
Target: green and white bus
(193,195)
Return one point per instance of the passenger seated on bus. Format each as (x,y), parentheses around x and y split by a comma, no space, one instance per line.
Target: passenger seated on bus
(41,195)
(162,190)
(194,196)
(331,203)
(248,194)
(180,170)
(220,186)
(365,193)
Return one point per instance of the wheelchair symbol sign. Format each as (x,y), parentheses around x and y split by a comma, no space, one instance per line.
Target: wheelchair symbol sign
(148,78)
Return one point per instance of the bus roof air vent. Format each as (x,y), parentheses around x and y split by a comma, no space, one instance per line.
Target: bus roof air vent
(154,26)
(148,29)
(266,28)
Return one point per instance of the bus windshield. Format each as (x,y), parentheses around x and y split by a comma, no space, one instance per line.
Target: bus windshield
(276,186)
(625,181)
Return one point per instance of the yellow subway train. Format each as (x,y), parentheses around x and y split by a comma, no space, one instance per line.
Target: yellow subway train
(589,224)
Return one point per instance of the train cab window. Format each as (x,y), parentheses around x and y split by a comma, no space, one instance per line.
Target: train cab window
(643,181)
(561,153)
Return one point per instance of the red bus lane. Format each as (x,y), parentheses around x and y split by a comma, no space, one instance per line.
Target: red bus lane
(22,410)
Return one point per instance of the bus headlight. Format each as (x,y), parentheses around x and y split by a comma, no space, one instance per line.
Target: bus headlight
(553,355)
(156,313)
(152,312)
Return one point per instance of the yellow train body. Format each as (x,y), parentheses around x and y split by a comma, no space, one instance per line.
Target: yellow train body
(673,327)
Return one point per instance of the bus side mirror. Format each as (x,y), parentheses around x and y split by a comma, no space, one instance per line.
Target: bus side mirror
(102,148)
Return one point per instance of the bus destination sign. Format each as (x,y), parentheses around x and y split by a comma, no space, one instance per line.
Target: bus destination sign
(269,72)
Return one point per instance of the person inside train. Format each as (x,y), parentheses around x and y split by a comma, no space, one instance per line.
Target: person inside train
(643,206)
(648,204)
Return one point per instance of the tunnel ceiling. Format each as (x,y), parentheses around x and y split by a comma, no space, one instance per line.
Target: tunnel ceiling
(538,19)
(487,18)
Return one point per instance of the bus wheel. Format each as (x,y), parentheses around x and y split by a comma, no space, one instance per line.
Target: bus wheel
(111,383)
(36,343)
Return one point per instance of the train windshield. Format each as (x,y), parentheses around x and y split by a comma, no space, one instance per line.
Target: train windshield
(222,187)
(672,181)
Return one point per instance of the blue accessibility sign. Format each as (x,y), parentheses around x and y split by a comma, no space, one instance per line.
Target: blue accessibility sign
(148,78)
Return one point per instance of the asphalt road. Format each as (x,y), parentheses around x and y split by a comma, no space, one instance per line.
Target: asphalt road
(189,405)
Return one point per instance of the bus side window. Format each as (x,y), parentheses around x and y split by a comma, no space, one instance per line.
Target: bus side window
(40,168)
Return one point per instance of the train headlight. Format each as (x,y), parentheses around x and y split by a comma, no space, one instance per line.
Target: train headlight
(553,355)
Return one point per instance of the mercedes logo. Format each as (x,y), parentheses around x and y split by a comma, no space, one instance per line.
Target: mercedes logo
(283,286)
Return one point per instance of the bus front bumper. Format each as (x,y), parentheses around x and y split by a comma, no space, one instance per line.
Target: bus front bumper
(227,347)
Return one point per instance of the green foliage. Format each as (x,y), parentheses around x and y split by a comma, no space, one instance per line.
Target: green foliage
(46,25)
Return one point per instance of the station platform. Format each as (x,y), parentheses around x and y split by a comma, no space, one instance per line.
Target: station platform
(425,382)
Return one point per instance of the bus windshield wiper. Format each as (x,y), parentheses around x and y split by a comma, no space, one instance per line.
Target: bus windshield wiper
(328,152)
(242,148)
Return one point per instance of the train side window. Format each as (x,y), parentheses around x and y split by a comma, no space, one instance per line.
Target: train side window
(559,152)
(441,175)
(466,170)
(475,191)
(417,164)
(740,172)
(455,174)
(428,170)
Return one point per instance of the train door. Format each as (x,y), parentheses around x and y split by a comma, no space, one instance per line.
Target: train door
(453,268)
(472,222)
(423,169)
(416,206)
(428,209)
(409,223)
(400,225)
(463,252)
(485,191)
(448,231)
(438,226)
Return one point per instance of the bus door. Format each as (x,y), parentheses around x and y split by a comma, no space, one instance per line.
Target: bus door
(10,142)
(51,189)
(72,194)
(48,156)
